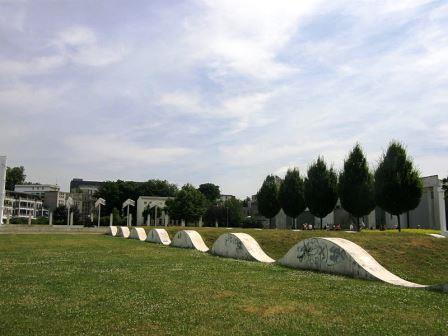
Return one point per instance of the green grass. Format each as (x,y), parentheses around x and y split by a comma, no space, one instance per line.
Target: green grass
(96,285)
(410,254)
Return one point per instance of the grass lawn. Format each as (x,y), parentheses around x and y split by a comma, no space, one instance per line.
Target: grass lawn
(411,254)
(95,285)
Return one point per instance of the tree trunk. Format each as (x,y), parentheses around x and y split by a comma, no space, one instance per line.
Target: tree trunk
(357,224)
(321,227)
(399,223)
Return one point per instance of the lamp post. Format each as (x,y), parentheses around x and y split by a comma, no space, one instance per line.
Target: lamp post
(99,202)
(126,204)
(69,204)
(2,186)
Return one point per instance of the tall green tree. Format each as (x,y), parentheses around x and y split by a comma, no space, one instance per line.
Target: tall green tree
(291,194)
(321,187)
(189,204)
(14,175)
(356,185)
(210,191)
(267,198)
(398,186)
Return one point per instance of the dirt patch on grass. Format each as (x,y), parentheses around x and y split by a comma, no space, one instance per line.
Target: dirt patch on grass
(267,311)
(224,294)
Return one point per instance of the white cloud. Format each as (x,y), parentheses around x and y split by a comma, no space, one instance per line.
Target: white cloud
(115,151)
(246,37)
(80,45)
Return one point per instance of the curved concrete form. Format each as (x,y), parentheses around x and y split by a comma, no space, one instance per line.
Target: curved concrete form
(124,232)
(239,246)
(189,239)
(158,236)
(340,256)
(138,233)
(112,231)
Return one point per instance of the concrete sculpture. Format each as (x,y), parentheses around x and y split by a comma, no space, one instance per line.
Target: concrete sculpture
(112,231)
(138,233)
(189,239)
(239,246)
(341,256)
(124,232)
(158,236)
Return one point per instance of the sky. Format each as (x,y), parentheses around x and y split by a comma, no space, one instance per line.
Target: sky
(220,91)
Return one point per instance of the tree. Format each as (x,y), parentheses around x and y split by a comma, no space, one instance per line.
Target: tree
(14,175)
(321,189)
(398,186)
(189,204)
(60,215)
(356,185)
(116,192)
(292,194)
(210,191)
(229,213)
(267,198)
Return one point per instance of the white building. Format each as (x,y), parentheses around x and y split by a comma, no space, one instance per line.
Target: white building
(23,205)
(36,189)
(155,202)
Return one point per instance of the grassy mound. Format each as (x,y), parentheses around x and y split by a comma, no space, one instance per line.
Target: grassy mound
(411,254)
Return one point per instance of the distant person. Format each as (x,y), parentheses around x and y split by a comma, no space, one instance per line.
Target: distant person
(310,226)
(351,227)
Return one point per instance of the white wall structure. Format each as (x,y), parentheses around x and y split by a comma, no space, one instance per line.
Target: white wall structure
(158,236)
(2,185)
(239,246)
(112,231)
(124,232)
(138,233)
(189,239)
(340,256)
(144,201)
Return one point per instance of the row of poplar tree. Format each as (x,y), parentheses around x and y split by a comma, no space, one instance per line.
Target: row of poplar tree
(395,186)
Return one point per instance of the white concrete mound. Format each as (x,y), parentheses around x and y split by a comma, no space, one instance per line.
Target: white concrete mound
(124,232)
(239,246)
(112,231)
(341,256)
(138,233)
(158,236)
(189,239)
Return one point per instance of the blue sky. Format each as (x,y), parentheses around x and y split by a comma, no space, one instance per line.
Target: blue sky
(219,91)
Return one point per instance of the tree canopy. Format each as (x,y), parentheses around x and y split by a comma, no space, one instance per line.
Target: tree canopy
(231,212)
(210,191)
(356,185)
(116,192)
(14,175)
(267,197)
(398,186)
(321,189)
(292,194)
(188,204)
(60,215)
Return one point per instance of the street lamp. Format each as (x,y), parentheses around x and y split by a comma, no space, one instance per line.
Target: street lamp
(69,204)
(99,202)
(126,204)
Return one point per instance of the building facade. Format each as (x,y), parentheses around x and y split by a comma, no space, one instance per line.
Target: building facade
(152,202)
(21,205)
(78,185)
(36,189)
